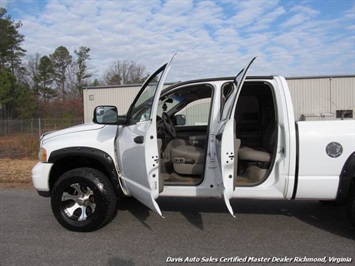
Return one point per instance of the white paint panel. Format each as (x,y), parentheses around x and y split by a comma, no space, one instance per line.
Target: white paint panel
(317,170)
(310,187)
(40,173)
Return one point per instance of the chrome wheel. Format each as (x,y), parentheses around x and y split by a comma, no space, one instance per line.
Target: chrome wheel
(78,202)
(83,199)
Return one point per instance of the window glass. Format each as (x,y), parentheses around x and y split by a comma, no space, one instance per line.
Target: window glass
(192,102)
(142,108)
(227,90)
(197,112)
(344,114)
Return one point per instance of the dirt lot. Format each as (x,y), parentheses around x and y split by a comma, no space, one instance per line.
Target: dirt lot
(16,173)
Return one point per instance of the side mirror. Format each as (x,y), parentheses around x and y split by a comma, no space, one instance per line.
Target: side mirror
(180,120)
(107,115)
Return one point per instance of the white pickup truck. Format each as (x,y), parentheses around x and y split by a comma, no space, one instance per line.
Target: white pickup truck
(230,137)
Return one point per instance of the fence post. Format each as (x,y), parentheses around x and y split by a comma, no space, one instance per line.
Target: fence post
(39,128)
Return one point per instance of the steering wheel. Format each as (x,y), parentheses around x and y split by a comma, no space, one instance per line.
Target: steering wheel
(169,125)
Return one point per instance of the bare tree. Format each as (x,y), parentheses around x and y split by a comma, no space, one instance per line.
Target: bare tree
(124,72)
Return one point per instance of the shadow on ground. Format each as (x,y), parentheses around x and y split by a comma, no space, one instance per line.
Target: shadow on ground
(330,218)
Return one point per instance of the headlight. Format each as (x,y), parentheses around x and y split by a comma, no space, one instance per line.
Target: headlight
(42,155)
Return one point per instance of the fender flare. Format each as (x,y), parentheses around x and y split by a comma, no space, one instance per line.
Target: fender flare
(346,176)
(92,153)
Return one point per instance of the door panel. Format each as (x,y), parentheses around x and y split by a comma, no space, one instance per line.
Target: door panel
(140,171)
(225,140)
(225,155)
(137,143)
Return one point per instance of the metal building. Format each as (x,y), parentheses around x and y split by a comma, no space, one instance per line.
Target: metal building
(323,98)
(119,96)
(314,98)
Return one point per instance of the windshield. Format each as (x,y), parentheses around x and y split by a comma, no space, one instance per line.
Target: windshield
(167,104)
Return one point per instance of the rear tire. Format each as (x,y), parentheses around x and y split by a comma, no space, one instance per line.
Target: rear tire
(350,207)
(333,202)
(83,200)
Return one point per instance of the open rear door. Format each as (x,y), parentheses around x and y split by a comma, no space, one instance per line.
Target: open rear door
(137,143)
(225,140)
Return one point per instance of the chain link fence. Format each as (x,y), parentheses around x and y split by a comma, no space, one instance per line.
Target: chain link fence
(20,138)
(35,126)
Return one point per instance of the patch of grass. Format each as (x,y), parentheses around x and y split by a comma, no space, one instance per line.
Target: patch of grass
(18,154)
(19,146)
(16,172)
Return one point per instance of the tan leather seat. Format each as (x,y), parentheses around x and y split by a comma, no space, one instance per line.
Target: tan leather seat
(249,154)
(257,161)
(264,154)
(187,159)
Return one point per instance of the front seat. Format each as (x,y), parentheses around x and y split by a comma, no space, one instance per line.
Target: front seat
(187,159)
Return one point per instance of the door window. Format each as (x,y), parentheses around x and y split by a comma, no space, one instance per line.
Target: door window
(227,90)
(193,102)
(142,107)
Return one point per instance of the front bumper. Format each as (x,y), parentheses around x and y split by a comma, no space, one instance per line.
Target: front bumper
(40,178)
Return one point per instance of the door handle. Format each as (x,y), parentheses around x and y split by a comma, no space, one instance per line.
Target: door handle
(139,139)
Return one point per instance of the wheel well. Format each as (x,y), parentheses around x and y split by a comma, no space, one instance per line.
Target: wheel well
(66,164)
(347,178)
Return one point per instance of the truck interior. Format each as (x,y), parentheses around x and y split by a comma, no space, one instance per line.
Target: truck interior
(186,112)
(256,128)
(183,151)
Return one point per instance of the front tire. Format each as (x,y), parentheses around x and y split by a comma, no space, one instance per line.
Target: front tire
(83,200)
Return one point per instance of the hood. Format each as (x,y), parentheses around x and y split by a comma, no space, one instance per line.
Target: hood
(70,130)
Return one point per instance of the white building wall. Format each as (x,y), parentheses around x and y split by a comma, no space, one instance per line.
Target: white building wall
(343,94)
(310,97)
(119,96)
(318,98)
(314,98)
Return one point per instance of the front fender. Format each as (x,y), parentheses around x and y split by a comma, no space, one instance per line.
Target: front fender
(84,156)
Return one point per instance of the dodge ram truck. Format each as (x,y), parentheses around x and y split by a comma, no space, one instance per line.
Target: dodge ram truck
(229,137)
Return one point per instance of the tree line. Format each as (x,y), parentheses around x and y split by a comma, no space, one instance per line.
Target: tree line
(50,86)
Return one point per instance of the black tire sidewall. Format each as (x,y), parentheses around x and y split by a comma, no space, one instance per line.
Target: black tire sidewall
(100,187)
(351,206)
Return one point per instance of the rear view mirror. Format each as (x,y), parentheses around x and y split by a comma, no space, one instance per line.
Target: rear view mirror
(105,115)
(180,120)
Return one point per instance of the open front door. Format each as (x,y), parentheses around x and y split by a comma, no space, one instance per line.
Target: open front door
(137,143)
(225,140)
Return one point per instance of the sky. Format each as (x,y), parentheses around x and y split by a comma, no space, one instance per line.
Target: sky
(291,38)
